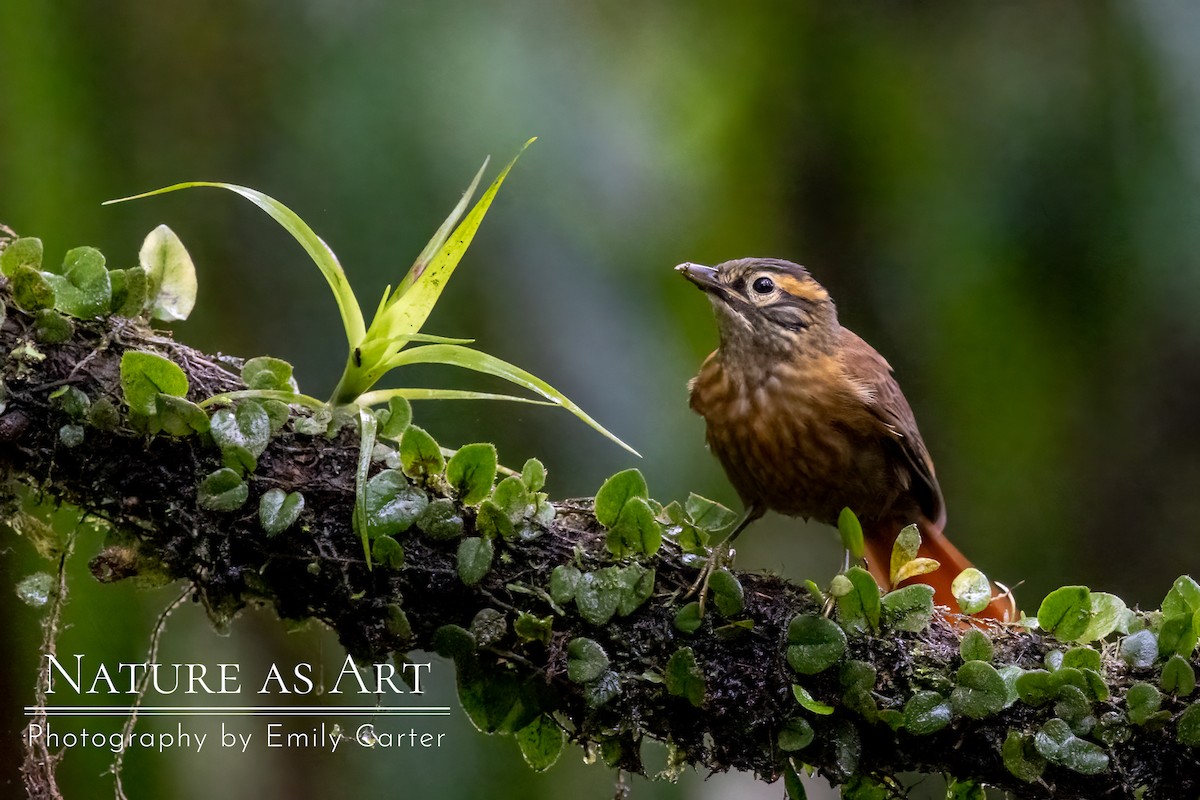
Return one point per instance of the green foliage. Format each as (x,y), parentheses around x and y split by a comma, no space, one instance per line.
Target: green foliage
(170,276)
(395,419)
(1142,703)
(247,426)
(268,374)
(909,608)
(926,712)
(964,790)
(1139,650)
(222,490)
(808,702)
(453,641)
(1036,687)
(611,590)
(145,375)
(130,291)
(278,510)
(622,507)
(387,551)
(471,471)
(793,787)
(51,327)
(975,646)
(796,734)
(586,660)
(564,579)
(1066,612)
(851,532)
(177,416)
(684,677)
(727,592)
(83,289)
(688,619)
(972,591)
(496,700)
(1021,757)
(858,601)
(541,743)
(72,401)
(440,520)
(1187,728)
(1056,743)
(1108,614)
(814,644)
(531,628)
(906,562)
(23,252)
(392,504)
(474,559)
(1178,677)
(420,456)
(979,691)
(30,289)
(691,523)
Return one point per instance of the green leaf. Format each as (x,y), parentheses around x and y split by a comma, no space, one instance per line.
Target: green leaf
(317,250)
(541,743)
(223,490)
(814,643)
(440,520)
(73,402)
(453,641)
(972,591)
(727,592)
(246,426)
(84,290)
(1178,634)
(179,417)
(635,532)
(926,713)
(420,455)
(964,790)
(470,472)
(909,608)
(387,551)
(1178,677)
(278,510)
(688,618)
(863,787)
(616,493)
(30,289)
(980,691)
(467,358)
(851,532)
(563,581)
(598,595)
(145,375)
(492,522)
(684,677)
(906,548)
(1082,658)
(71,435)
(1066,612)
(23,252)
(496,701)
(130,288)
(975,646)
(1021,757)
(1108,613)
(171,276)
(367,428)
(792,785)
(474,559)
(1183,598)
(267,373)
(586,660)
(809,702)
(859,609)
(1139,650)
(707,515)
(51,327)
(1036,687)
(531,628)
(637,584)
(1057,743)
(533,475)
(796,734)
(1143,701)
(1187,728)
(398,418)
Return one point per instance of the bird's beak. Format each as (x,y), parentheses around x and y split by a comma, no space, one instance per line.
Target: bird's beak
(702,276)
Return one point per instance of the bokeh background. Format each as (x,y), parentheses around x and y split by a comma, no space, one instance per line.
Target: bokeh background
(1003,198)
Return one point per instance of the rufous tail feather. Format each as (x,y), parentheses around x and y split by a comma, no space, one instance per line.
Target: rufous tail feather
(935,545)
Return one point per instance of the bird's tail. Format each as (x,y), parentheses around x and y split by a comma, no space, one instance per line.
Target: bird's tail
(935,545)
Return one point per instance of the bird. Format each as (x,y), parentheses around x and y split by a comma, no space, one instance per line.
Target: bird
(807,419)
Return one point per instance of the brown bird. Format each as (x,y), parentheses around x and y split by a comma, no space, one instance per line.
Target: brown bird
(807,419)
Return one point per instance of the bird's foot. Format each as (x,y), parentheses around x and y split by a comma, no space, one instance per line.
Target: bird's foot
(721,555)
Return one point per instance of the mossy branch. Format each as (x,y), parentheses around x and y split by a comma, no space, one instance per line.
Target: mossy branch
(721,696)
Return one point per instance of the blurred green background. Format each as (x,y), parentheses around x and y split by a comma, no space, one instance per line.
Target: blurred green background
(1003,198)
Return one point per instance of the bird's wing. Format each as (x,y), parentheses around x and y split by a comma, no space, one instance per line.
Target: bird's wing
(869,370)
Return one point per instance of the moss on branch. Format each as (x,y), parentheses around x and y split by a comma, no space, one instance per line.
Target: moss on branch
(723,696)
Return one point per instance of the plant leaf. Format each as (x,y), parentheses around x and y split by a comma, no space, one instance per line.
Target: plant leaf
(381,396)
(468,358)
(145,375)
(318,251)
(172,284)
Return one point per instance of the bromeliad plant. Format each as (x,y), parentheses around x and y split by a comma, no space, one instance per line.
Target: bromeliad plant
(376,350)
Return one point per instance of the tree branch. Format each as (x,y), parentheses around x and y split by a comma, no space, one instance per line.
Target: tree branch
(146,488)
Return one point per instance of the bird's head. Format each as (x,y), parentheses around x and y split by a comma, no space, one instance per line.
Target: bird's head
(767,306)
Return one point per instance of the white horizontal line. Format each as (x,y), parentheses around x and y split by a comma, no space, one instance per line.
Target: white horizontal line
(254,711)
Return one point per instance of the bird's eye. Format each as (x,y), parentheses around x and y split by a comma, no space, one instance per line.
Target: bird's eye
(763,285)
